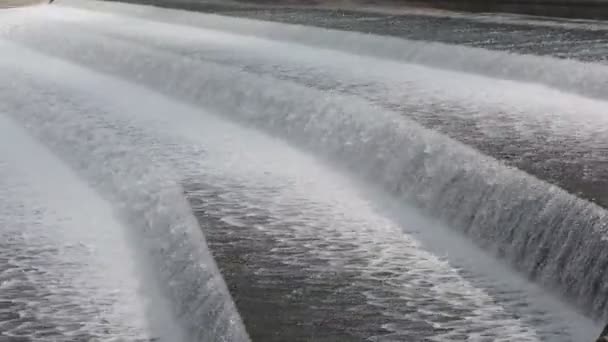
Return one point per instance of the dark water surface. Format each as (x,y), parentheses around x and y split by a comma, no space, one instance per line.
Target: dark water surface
(567,41)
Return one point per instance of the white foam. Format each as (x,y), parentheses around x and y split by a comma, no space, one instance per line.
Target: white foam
(182,303)
(244,157)
(495,105)
(64,237)
(572,76)
(255,171)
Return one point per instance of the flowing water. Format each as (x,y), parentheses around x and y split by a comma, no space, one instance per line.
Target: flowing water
(336,179)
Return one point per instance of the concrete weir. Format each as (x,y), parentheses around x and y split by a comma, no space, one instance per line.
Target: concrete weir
(284,182)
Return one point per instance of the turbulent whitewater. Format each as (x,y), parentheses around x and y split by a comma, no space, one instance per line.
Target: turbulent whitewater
(339,178)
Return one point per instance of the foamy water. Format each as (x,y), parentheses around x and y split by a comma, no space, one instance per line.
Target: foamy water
(168,109)
(66,270)
(227,159)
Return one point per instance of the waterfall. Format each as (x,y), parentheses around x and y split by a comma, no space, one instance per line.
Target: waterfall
(186,297)
(553,237)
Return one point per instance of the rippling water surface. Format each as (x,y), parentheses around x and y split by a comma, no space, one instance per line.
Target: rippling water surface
(343,198)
